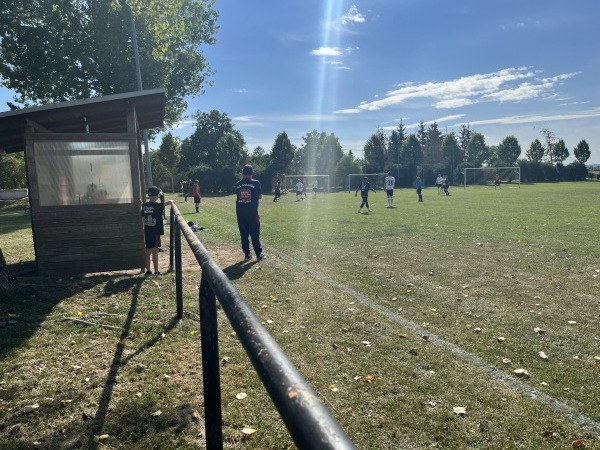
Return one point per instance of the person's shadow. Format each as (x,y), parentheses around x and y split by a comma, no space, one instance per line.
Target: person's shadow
(237,270)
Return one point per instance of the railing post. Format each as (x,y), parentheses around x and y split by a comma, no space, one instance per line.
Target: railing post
(213,421)
(178,270)
(171,237)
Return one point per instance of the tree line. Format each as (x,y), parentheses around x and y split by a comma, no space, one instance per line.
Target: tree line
(215,152)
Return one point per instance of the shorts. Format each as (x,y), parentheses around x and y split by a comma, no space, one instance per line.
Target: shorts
(390,192)
(152,240)
(419,191)
(196,199)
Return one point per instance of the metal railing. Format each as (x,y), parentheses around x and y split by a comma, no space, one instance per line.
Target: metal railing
(309,423)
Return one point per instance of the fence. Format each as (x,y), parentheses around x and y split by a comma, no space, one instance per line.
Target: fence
(308,421)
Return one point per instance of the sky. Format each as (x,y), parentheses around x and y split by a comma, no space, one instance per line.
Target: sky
(502,67)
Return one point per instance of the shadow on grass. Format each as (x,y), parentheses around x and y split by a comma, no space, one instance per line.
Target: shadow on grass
(237,270)
(24,311)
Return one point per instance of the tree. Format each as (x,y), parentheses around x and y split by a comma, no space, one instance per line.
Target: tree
(582,151)
(282,154)
(345,166)
(374,151)
(412,155)
(477,151)
(433,140)
(329,153)
(506,153)
(451,151)
(550,139)
(464,136)
(230,151)
(259,159)
(201,147)
(395,142)
(536,151)
(560,152)
(12,171)
(169,154)
(55,51)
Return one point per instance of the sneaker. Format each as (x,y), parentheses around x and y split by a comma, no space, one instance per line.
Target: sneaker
(261,257)
(148,272)
(370,210)
(248,258)
(157,273)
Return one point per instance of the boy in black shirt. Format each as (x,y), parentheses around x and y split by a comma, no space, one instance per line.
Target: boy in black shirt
(152,212)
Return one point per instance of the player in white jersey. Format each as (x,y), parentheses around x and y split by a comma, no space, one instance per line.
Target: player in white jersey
(299,190)
(315,188)
(390,182)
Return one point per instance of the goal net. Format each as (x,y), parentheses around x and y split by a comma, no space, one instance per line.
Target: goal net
(377,180)
(320,181)
(486,176)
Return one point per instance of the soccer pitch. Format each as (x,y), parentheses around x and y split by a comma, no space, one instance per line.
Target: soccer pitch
(484,300)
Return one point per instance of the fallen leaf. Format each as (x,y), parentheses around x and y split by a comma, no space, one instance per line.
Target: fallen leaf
(248,430)
(460,411)
(241,395)
(521,372)
(367,378)
(543,355)
(333,388)
(501,339)
(571,322)
(578,443)
(156,413)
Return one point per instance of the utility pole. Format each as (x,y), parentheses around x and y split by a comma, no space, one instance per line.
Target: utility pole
(136,55)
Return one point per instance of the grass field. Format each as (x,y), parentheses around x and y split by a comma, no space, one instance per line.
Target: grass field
(409,323)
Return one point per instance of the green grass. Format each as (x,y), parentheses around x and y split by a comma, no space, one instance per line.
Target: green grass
(417,296)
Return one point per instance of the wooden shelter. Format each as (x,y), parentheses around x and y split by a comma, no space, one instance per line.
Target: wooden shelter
(86,178)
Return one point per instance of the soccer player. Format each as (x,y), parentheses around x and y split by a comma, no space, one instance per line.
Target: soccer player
(277,191)
(497,182)
(364,189)
(390,182)
(439,181)
(248,193)
(315,188)
(299,190)
(419,185)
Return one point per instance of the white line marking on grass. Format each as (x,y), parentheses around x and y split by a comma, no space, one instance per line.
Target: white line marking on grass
(581,420)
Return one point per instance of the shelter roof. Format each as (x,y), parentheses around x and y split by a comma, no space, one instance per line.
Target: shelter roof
(106,114)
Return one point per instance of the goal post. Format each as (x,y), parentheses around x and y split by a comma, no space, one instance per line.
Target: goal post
(376,179)
(484,176)
(289,182)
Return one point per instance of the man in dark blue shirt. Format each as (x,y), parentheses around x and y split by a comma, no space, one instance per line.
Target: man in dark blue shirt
(248,193)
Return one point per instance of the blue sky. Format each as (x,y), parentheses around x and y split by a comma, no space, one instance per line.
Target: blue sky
(509,67)
(346,67)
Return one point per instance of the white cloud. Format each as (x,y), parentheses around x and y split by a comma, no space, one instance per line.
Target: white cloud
(501,86)
(241,91)
(327,51)
(454,103)
(353,16)
(538,118)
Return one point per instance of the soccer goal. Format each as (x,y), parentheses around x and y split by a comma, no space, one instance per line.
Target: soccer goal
(377,180)
(485,176)
(322,182)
